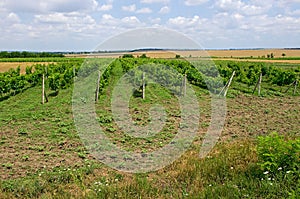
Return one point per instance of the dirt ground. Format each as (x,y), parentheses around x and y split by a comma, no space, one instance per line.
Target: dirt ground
(246,117)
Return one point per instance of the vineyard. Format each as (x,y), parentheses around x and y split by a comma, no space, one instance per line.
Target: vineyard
(43,156)
(203,74)
(59,75)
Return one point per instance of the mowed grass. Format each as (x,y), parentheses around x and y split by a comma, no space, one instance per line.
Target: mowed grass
(42,155)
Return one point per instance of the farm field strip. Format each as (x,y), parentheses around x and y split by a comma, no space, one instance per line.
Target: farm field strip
(233,55)
(259,60)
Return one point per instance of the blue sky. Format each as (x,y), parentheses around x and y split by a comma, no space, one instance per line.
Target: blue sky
(77,25)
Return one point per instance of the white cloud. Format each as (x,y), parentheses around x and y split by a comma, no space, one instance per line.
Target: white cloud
(294,12)
(108,20)
(185,21)
(131,20)
(105,7)
(228,23)
(40,6)
(252,7)
(229,4)
(65,18)
(155,1)
(112,23)
(144,11)
(155,20)
(61,25)
(164,10)
(286,3)
(12,18)
(130,8)
(194,2)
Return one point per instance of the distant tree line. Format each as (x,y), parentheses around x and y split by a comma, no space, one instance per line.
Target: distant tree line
(25,54)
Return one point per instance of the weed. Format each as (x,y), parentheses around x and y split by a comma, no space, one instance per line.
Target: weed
(277,155)
(8,165)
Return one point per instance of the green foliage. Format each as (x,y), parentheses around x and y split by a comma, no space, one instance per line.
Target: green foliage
(58,75)
(28,70)
(143,56)
(248,73)
(54,81)
(278,155)
(128,56)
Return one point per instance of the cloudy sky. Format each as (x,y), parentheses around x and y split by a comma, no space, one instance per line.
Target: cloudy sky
(76,25)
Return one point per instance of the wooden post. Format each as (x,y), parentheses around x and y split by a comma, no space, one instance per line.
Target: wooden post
(229,83)
(144,85)
(98,87)
(184,85)
(295,84)
(43,89)
(295,89)
(181,86)
(258,84)
(223,89)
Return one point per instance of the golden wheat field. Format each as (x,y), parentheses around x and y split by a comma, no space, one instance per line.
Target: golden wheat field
(244,53)
(5,66)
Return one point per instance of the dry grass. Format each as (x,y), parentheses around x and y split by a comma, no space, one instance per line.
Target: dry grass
(260,60)
(208,53)
(5,66)
(241,53)
(157,54)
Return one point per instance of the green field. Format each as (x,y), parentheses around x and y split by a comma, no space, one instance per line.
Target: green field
(42,155)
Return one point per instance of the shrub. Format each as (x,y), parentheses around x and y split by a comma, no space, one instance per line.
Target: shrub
(277,155)
(127,56)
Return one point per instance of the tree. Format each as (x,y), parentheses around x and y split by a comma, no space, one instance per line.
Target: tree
(143,56)
(128,56)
